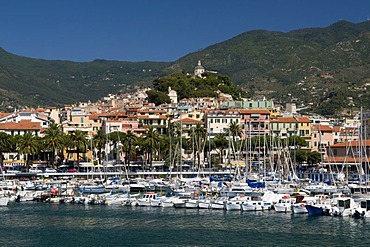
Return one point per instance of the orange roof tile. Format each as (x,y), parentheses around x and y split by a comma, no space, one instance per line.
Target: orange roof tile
(187,120)
(284,120)
(254,111)
(303,120)
(350,144)
(323,128)
(22,125)
(336,128)
(4,114)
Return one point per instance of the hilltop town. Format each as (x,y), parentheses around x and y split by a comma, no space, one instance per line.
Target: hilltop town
(200,121)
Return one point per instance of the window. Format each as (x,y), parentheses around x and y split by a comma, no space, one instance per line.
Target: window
(315,144)
(217,120)
(224,120)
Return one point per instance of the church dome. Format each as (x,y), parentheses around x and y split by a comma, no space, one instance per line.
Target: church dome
(199,69)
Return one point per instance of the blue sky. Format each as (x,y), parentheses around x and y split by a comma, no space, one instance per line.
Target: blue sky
(154,30)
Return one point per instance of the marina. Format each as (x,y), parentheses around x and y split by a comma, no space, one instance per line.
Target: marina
(185,207)
(77,225)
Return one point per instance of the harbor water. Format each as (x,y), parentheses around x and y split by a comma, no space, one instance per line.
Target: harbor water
(43,224)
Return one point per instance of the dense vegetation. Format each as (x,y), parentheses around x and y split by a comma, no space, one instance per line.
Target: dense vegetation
(327,69)
(151,146)
(36,82)
(190,86)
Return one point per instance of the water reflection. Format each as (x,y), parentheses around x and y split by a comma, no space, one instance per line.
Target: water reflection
(43,224)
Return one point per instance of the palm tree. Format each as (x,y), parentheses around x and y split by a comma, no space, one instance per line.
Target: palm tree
(5,145)
(200,134)
(129,138)
(235,131)
(53,140)
(28,144)
(221,143)
(150,140)
(66,143)
(79,143)
(100,140)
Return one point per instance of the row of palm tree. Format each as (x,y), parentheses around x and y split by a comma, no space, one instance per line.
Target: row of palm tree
(151,145)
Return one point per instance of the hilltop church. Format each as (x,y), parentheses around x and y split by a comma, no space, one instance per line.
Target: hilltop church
(199,69)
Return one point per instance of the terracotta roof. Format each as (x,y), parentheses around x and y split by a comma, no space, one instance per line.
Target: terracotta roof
(187,120)
(291,120)
(4,114)
(303,120)
(22,125)
(323,128)
(284,120)
(254,111)
(94,115)
(336,128)
(350,144)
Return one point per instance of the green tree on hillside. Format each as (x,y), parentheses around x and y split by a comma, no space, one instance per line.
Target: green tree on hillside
(189,86)
(158,97)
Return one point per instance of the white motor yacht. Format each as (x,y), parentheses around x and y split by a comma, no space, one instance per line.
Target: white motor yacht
(236,202)
(145,201)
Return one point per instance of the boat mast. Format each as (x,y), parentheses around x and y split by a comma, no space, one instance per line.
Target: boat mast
(209,152)
(170,133)
(228,152)
(246,150)
(365,151)
(180,145)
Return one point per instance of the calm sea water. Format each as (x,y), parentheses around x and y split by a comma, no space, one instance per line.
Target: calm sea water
(41,224)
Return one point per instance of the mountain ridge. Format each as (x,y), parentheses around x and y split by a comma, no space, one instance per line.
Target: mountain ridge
(312,65)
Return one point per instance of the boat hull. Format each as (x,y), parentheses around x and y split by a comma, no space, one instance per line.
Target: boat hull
(300,209)
(314,210)
(4,201)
